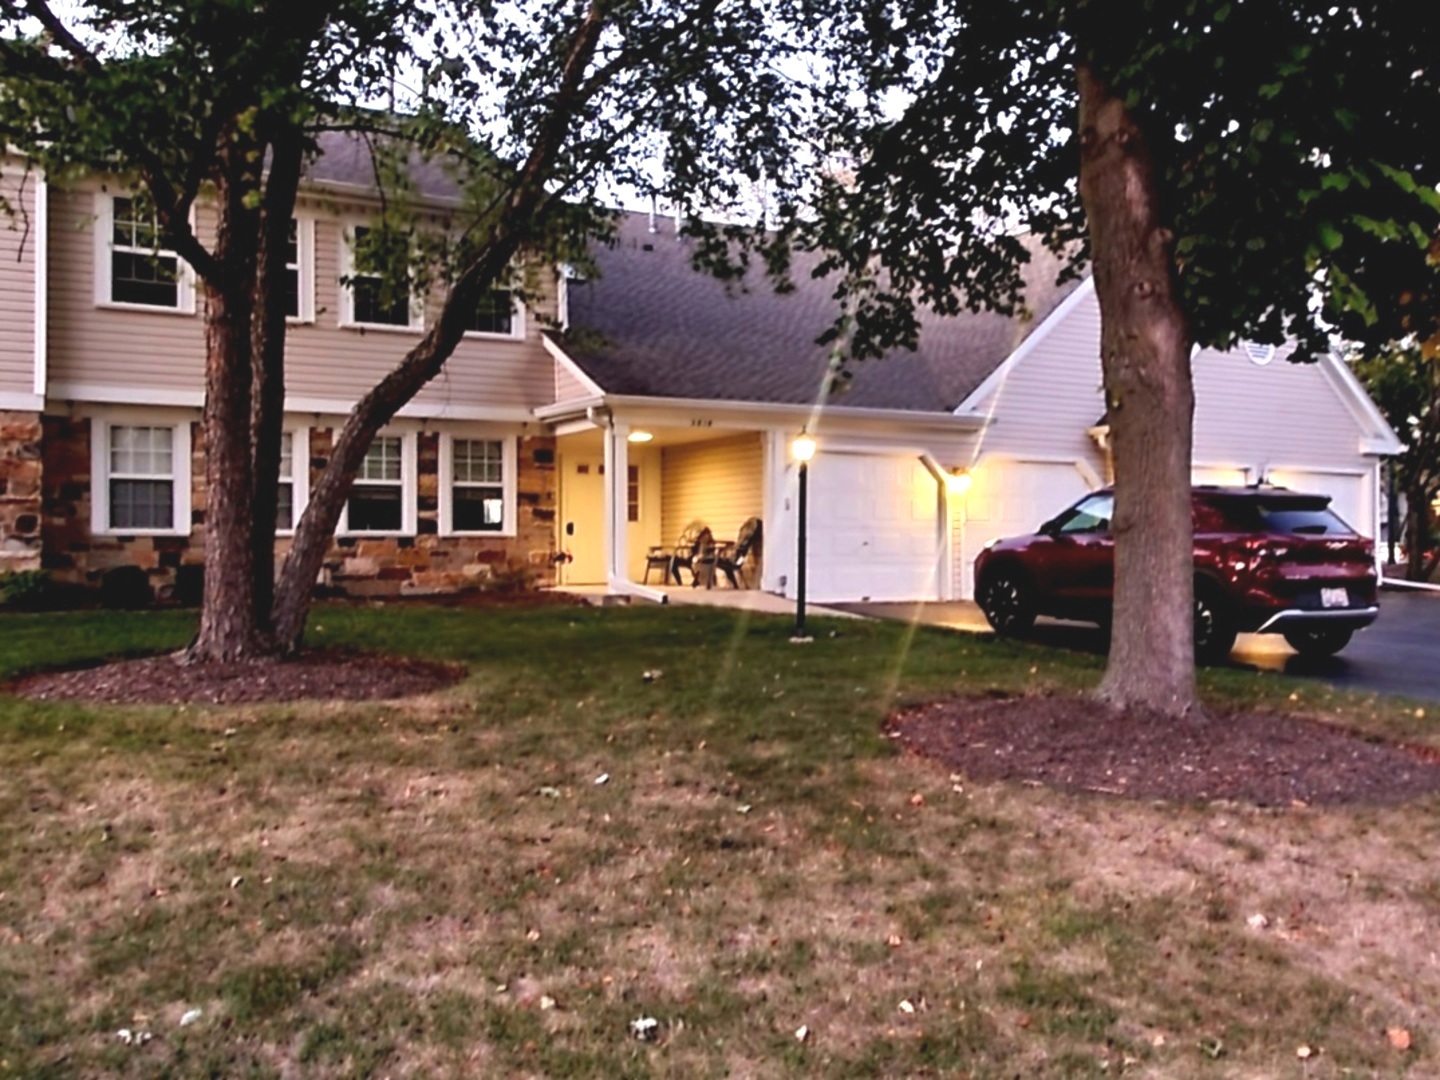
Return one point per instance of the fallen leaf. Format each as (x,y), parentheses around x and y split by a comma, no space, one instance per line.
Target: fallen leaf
(917,799)
(1303,1052)
(547,1003)
(1258,921)
(894,941)
(802,1033)
(1399,1038)
(907,1008)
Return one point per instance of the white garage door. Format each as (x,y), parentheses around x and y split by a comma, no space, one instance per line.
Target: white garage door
(874,530)
(1348,493)
(1011,498)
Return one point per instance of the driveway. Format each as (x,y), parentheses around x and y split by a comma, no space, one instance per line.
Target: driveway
(1397,655)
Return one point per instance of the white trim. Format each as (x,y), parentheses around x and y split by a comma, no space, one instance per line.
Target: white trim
(1052,321)
(1381,437)
(571,367)
(347,320)
(509,455)
(419,410)
(409,486)
(180,450)
(42,283)
(104,229)
(946,588)
(21,402)
(126,395)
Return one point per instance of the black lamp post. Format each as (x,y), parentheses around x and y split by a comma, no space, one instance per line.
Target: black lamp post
(804,449)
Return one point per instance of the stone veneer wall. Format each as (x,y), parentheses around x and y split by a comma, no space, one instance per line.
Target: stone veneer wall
(368,566)
(21,471)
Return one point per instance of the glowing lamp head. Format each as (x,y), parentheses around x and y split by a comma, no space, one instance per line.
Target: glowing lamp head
(803,447)
(959,481)
(639,436)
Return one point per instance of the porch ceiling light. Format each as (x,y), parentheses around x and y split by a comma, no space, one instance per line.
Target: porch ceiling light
(803,447)
(959,481)
(640,436)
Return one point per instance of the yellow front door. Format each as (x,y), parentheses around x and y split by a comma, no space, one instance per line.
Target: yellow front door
(582,520)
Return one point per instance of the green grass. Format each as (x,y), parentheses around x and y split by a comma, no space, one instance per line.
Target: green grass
(352,889)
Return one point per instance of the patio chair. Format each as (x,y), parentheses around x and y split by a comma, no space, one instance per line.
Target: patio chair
(733,558)
(693,541)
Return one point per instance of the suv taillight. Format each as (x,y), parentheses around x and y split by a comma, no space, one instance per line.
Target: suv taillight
(1259,552)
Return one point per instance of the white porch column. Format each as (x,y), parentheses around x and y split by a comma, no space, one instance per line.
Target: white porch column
(779,514)
(617,525)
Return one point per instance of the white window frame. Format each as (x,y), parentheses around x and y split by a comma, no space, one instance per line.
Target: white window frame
(104,232)
(508,467)
(180,450)
(347,292)
(517,322)
(305,270)
(408,485)
(299,480)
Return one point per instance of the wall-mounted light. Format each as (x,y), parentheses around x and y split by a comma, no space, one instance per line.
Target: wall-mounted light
(959,481)
(639,436)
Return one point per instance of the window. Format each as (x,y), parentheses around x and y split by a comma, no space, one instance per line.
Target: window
(142,477)
(292,272)
(382,499)
(293,491)
(632,493)
(494,314)
(1091,516)
(132,269)
(372,300)
(477,486)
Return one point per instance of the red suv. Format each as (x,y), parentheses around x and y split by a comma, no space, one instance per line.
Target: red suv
(1267,561)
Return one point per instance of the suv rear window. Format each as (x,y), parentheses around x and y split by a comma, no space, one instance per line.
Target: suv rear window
(1303,517)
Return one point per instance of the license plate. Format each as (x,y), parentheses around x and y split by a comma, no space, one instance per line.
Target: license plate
(1334,598)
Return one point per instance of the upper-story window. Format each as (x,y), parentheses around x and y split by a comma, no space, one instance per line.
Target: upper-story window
(497,312)
(370,300)
(299,277)
(132,268)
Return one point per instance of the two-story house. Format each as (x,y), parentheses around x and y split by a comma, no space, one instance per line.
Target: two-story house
(570,435)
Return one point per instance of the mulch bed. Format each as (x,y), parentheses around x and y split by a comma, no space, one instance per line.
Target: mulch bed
(316,673)
(1072,743)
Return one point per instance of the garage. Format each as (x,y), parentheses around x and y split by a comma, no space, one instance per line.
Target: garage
(1349,493)
(1013,498)
(874,529)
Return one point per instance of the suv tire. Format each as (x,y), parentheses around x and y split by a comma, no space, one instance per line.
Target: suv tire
(1008,601)
(1214,629)
(1319,641)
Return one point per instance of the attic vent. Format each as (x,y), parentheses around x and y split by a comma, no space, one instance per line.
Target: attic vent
(1259,354)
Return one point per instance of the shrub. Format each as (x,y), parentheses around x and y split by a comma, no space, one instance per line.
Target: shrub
(126,588)
(28,590)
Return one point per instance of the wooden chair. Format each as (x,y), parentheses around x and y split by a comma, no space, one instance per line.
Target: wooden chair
(693,541)
(734,559)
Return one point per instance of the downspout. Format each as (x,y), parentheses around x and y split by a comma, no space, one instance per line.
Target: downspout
(42,289)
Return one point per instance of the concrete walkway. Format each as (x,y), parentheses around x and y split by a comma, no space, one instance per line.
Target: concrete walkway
(741,599)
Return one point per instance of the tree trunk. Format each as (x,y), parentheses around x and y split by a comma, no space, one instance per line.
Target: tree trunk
(1418,567)
(1150,401)
(231,627)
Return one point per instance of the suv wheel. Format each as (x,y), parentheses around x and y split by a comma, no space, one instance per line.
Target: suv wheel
(1214,632)
(1008,601)
(1322,641)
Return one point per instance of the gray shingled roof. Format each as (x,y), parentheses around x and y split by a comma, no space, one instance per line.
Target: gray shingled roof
(651,326)
(345,157)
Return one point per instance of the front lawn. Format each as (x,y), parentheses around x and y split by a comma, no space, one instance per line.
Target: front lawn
(672,814)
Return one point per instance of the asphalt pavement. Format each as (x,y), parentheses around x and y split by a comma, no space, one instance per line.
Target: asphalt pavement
(1398,654)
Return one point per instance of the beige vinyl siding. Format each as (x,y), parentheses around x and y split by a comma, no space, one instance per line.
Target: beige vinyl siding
(338,363)
(567,386)
(717,482)
(1254,416)
(97,346)
(1052,396)
(17,282)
